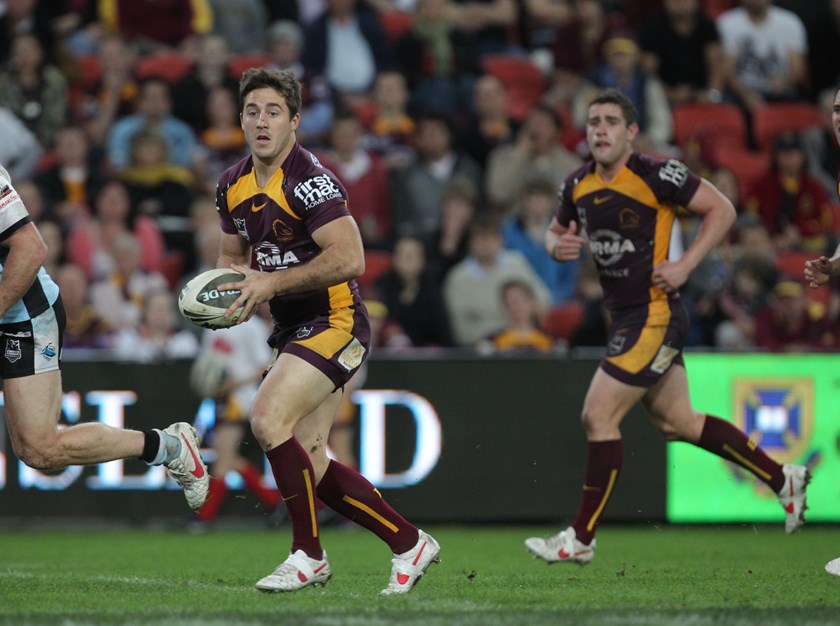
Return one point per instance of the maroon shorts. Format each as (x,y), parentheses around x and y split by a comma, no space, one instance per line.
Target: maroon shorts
(644,342)
(336,343)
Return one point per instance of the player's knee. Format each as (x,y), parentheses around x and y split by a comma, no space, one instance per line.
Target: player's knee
(592,421)
(268,428)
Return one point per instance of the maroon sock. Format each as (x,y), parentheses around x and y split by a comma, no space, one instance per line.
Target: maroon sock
(603,464)
(295,479)
(253,481)
(349,493)
(728,442)
(215,497)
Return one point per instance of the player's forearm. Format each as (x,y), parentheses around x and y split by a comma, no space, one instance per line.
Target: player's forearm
(331,267)
(716,224)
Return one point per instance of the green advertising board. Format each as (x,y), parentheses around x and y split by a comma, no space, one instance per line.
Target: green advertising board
(788,404)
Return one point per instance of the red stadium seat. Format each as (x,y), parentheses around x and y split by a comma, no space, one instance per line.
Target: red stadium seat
(396,23)
(562,321)
(792,263)
(170,66)
(747,166)
(775,117)
(241,62)
(722,124)
(377,262)
(89,70)
(523,81)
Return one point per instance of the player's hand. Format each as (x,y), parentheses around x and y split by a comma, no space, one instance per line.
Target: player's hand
(256,287)
(669,276)
(818,271)
(568,244)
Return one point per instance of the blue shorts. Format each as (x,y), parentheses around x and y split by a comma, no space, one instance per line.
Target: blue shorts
(34,346)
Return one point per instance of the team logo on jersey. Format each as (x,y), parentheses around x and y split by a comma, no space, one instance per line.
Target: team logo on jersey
(304,331)
(49,352)
(628,219)
(269,257)
(608,247)
(674,172)
(282,231)
(5,190)
(13,350)
(777,414)
(616,344)
(240,227)
(313,191)
(315,160)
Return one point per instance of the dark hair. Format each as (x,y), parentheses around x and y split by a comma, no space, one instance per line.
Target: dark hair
(281,81)
(615,96)
(549,111)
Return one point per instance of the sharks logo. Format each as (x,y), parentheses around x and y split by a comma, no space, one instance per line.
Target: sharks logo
(49,352)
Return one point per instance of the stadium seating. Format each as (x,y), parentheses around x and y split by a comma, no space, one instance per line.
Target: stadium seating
(522,79)
(563,320)
(377,262)
(396,23)
(722,124)
(775,117)
(747,165)
(171,66)
(241,62)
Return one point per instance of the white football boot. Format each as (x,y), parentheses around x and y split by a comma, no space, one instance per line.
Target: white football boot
(408,568)
(563,547)
(296,572)
(792,495)
(187,469)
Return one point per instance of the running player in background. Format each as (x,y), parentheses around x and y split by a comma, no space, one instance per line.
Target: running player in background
(626,202)
(229,369)
(32,325)
(280,209)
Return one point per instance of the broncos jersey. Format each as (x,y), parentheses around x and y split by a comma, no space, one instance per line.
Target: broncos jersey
(629,222)
(44,292)
(278,221)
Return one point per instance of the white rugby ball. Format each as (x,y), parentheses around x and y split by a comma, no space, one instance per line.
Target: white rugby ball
(201,302)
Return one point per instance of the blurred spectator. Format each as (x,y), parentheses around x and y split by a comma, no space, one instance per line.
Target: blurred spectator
(578,47)
(765,48)
(521,333)
(154,114)
(682,47)
(537,153)
(223,142)
(540,19)
(365,176)
(418,189)
(85,329)
(471,289)
(392,129)
(592,330)
(34,90)
(157,337)
(54,240)
(20,151)
(490,125)
(162,190)
(119,297)
(437,58)
(489,22)
(241,23)
(285,10)
(739,303)
(114,94)
(793,205)
(348,46)
(524,231)
(727,183)
(622,69)
(69,186)
(92,240)
(448,245)
(30,195)
(286,47)
(791,322)
(412,297)
(156,25)
(821,144)
(190,93)
(823,34)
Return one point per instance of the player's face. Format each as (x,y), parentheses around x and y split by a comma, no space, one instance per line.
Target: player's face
(835,115)
(269,130)
(608,135)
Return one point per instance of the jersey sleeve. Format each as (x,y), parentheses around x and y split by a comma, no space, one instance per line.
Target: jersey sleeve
(222,208)
(567,211)
(13,213)
(673,182)
(319,199)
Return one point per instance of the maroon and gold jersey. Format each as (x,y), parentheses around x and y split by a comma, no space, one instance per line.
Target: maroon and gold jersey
(628,222)
(278,221)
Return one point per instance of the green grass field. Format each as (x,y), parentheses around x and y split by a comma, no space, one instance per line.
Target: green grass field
(641,575)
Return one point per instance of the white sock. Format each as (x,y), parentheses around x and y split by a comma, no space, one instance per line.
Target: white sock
(170,448)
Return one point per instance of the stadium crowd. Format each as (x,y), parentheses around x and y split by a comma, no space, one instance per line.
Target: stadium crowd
(452,124)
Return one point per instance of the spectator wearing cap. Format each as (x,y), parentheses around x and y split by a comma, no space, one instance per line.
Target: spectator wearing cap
(793,205)
(791,322)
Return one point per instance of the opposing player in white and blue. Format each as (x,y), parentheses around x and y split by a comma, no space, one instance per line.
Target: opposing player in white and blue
(32,325)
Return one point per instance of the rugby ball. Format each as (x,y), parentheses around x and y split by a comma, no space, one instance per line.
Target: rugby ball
(201,302)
